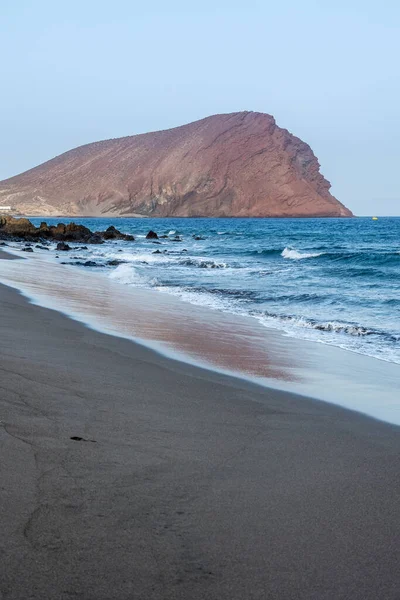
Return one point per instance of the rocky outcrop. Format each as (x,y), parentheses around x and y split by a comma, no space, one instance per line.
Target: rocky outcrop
(239,164)
(23,229)
(113,234)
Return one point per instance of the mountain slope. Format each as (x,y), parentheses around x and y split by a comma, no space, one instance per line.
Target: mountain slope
(239,164)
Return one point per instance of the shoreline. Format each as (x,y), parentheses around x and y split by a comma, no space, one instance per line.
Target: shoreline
(190,484)
(225,343)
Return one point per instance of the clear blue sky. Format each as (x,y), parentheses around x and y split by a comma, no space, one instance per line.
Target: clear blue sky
(80,71)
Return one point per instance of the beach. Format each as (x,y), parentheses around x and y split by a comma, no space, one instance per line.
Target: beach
(181,482)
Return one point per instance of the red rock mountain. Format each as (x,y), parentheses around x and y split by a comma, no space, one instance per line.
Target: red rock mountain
(240,165)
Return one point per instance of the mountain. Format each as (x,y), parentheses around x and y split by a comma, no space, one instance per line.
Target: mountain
(233,165)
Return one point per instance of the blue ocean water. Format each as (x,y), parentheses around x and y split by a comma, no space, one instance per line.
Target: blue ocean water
(335,281)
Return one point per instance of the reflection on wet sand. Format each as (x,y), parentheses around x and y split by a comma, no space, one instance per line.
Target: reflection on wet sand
(212,338)
(230,342)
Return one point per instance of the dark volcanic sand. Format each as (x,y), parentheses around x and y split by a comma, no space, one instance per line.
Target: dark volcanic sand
(190,485)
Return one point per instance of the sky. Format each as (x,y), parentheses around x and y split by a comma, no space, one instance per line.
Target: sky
(81,71)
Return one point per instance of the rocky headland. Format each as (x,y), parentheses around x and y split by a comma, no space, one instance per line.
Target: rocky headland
(232,165)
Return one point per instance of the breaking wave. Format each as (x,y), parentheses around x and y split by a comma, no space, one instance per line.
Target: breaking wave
(202,263)
(296,255)
(128,275)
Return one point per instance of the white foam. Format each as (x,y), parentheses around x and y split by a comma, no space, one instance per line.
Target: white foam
(199,298)
(128,275)
(140,258)
(295,255)
(203,263)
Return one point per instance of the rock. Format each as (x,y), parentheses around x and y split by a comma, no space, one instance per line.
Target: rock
(66,233)
(113,234)
(198,237)
(80,263)
(91,263)
(156,252)
(41,247)
(3,244)
(152,235)
(115,262)
(95,239)
(23,229)
(63,247)
(20,229)
(27,249)
(164,237)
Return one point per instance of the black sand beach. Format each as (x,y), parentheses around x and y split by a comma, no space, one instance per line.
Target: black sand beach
(186,484)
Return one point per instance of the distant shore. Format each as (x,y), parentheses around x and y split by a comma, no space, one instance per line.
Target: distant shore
(126,474)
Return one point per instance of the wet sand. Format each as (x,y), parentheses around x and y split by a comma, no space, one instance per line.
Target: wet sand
(187,484)
(234,344)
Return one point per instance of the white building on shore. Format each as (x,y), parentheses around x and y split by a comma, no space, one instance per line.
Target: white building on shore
(5,209)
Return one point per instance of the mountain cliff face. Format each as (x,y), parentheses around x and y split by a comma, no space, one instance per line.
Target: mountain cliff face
(240,165)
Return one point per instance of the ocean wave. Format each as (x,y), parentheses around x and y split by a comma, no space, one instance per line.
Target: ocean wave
(144,258)
(339,327)
(199,298)
(266,252)
(128,275)
(226,292)
(202,263)
(351,259)
(296,255)
(221,299)
(363,257)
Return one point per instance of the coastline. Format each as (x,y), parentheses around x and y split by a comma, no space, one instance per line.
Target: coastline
(227,343)
(101,370)
(198,484)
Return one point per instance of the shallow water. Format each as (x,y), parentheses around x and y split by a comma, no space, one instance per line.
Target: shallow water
(335,281)
(227,342)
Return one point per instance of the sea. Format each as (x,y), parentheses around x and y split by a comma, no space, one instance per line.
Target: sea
(331,281)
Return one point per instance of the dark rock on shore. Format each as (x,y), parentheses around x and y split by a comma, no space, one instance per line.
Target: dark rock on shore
(91,263)
(115,262)
(22,229)
(151,235)
(80,263)
(95,239)
(40,247)
(113,234)
(27,249)
(63,246)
